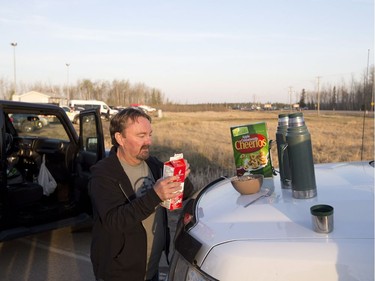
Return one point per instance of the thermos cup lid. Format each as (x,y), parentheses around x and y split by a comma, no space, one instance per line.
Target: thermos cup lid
(283,119)
(321,210)
(296,119)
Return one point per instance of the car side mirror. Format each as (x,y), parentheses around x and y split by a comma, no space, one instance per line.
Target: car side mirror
(92,144)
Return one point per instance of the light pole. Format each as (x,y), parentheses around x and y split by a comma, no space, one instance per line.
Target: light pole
(14,45)
(67,82)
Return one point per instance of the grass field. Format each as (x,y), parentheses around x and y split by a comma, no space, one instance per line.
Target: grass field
(204,138)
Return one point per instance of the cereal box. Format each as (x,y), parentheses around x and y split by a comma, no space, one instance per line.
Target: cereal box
(251,149)
(175,166)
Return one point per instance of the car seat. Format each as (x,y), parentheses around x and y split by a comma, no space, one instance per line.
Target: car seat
(13,174)
(19,192)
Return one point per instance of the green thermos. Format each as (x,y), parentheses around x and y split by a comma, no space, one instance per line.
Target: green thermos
(300,157)
(282,151)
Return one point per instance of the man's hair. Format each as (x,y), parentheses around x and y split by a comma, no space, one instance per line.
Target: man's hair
(121,120)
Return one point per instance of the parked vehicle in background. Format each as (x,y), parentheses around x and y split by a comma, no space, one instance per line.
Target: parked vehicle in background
(44,121)
(26,122)
(24,207)
(148,109)
(105,111)
(227,236)
(73,114)
(118,107)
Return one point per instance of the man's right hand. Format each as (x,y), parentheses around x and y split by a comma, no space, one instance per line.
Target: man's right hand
(168,188)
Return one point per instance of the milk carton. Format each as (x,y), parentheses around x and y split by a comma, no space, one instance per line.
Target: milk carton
(176,166)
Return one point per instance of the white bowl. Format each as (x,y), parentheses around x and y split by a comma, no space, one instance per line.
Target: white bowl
(247,184)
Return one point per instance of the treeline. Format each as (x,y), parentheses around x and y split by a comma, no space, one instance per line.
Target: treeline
(117,92)
(352,95)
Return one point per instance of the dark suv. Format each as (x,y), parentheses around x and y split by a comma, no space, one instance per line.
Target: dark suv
(25,207)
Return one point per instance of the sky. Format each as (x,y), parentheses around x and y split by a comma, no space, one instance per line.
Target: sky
(193,51)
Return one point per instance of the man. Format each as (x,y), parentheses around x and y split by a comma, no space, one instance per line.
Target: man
(130,227)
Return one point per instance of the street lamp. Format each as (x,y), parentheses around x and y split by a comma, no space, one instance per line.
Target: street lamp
(67,81)
(14,45)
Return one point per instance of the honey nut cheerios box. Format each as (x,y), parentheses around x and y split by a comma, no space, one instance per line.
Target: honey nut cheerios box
(251,149)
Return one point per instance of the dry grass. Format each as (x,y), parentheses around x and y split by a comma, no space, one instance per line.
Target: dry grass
(204,138)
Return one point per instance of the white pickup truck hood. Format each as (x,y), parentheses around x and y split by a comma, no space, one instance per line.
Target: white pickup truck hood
(273,238)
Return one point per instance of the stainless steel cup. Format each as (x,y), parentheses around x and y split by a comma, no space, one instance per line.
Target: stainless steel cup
(322,218)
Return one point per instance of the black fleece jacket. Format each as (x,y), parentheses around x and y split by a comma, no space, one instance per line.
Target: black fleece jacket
(119,240)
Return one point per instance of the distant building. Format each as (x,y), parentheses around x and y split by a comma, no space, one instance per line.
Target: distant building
(268,106)
(296,106)
(37,97)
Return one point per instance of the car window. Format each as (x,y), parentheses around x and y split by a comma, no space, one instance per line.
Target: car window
(29,124)
(89,137)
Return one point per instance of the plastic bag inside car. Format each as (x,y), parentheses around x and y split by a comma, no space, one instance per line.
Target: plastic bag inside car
(45,179)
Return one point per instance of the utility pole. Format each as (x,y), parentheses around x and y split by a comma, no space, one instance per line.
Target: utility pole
(365,86)
(290,98)
(67,82)
(318,81)
(373,84)
(14,45)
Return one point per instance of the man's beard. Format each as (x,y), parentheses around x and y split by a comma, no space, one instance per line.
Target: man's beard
(144,153)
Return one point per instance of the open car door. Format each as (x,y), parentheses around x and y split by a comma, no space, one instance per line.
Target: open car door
(50,139)
(91,150)
(3,160)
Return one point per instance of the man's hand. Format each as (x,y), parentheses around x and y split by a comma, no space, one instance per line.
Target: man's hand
(168,188)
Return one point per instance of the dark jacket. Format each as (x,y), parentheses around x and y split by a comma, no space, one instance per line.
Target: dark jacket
(119,241)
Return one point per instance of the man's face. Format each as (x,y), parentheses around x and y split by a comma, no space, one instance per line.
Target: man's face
(135,141)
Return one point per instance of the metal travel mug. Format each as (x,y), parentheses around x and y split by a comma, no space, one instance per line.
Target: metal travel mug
(322,218)
(282,151)
(300,158)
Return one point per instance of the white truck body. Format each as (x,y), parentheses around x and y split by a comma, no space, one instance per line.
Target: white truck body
(87,104)
(273,238)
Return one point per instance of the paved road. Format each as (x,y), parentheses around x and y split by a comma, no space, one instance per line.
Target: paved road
(59,255)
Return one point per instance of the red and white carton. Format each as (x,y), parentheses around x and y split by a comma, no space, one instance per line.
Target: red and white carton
(176,166)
